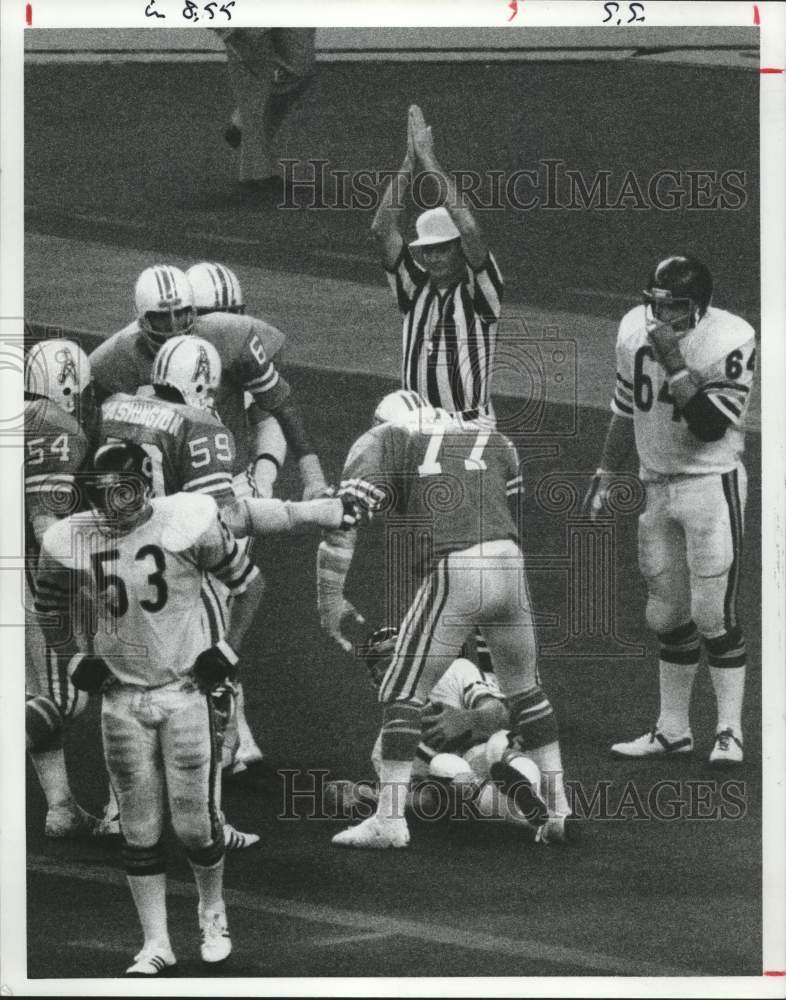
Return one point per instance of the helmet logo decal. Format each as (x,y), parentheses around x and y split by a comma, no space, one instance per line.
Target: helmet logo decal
(65,358)
(202,367)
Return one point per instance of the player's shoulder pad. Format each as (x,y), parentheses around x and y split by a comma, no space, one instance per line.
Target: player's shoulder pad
(185,518)
(633,325)
(59,538)
(229,334)
(42,416)
(728,330)
(367,440)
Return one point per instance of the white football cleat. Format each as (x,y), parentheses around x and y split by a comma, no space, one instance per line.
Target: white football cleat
(70,821)
(376,833)
(216,944)
(557,830)
(727,748)
(152,960)
(236,840)
(654,744)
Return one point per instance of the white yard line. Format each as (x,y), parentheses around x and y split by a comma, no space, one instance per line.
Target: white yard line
(377,924)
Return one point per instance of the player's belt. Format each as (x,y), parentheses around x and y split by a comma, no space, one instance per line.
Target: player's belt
(650,478)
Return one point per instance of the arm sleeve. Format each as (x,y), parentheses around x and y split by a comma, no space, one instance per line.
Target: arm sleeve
(622,401)
(219,554)
(706,421)
(487,293)
(290,419)
(406,279)
(255,372)
(363,478)
(727,384)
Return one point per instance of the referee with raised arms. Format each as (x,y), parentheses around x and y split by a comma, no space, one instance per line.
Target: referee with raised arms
(451,299)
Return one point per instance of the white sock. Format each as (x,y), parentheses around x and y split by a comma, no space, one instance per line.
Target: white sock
(50,766)
(149,895)
(210,886)
(676,685)
(549,760)
(394,778)
(247,749)
(729,686)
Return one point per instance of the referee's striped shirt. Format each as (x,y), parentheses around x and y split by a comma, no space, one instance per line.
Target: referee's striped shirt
(449,336)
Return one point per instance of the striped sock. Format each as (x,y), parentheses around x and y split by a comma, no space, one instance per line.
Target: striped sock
(726,656)
(401,727)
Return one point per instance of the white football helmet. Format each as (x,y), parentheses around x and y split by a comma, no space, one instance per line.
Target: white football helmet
(58,370)
(404,407)
(190,365)
(164,303)
(216,289)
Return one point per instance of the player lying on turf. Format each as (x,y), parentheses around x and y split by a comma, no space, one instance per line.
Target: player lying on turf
(464,747)
(446,485)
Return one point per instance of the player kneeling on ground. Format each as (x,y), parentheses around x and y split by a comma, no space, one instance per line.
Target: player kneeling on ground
(139,562)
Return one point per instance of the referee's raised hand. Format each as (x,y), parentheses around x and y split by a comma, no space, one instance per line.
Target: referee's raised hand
(422,139)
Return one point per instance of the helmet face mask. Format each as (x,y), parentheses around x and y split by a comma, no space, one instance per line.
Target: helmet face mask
(681,314)
(678,293)
(164,304)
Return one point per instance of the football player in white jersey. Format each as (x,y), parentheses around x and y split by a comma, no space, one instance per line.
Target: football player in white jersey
(138,565)
(684,375)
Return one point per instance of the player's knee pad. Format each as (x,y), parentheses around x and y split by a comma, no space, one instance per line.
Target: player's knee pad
(43,725)
(727,649)
(708,603)
(143,860)
(401,730)
(681,645)
(533,723)
(662,613)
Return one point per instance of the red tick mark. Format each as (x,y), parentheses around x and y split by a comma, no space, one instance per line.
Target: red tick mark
(514,6)
(29,15)
(772,69)
(774,972)
(756,14)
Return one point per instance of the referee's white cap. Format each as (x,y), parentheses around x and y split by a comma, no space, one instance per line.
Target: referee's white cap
(435,226)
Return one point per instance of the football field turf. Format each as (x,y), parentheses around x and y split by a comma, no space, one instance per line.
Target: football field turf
(643,893)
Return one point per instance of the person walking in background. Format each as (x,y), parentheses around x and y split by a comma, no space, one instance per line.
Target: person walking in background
(269,70)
